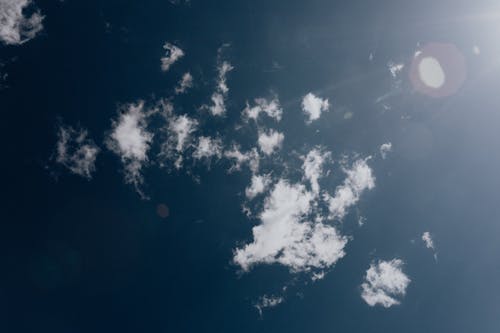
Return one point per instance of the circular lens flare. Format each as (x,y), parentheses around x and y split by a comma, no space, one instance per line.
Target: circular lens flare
(431,73)
(438,70)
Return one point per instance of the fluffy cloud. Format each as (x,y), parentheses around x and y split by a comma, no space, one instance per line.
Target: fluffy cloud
(384,282)
(385,149)
(185,83)
(173,53)
(313,167)
(270,107)
(286,237)
(179,130)
(76,152)
(207,148)
(359,179)
(270,141)
(15,27)
(257,186)
(312,106)
(131,140)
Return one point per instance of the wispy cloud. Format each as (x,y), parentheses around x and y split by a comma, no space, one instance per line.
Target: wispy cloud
(384,282)
(15,27)
(184,84)
(76,151)
(313,167)
(268,302)
(208,148)
(218,107)
(179,138)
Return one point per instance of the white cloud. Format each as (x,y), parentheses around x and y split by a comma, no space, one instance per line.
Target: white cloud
(218,107)
(268,302)
(179,137)
(207,148)
(131,140)
(270,107)
(313,167)
(384,281)
(257,186)
(312,106)
(385,149)
(359,178)
(285,237)
(185,83)
(270,141)
(76,152)
(15,27)
(173,54)
(427,238)
(395,68)
(251,157)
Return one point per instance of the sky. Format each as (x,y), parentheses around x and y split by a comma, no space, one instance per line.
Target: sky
(250,166)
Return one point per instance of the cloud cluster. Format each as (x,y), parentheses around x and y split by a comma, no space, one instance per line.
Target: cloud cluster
(173,53)
(131,140)
(285,235)
(76,151)
(268,302)
(15,27)
(313,106)
(384,282)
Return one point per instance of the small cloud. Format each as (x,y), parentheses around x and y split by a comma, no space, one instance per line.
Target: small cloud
(262,105)
(207,148)
(395,68)
(76,151)
(258,185)
(15,27)
(238,158)
(179,131)
(270,141)
(313,106)
(173,53)
(384,282)
(427,238)
(476,50)
(359,179)
(268,302)
(131,140)
(313,167)
(218,107)
(385,149)
(184,84)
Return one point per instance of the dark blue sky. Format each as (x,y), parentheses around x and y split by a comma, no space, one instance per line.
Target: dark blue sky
(84,255)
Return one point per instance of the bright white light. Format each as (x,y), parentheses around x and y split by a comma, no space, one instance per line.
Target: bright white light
(431,73)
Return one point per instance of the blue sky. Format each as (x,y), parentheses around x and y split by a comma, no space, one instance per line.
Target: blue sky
(253,166)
